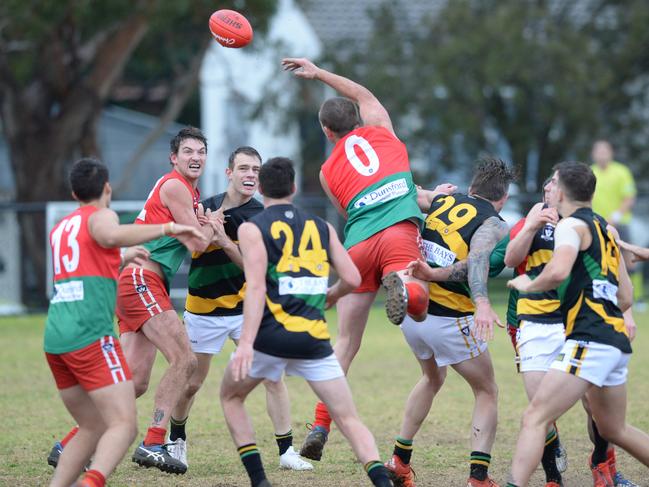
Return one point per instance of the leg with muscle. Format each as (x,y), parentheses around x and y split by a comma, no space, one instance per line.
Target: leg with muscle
(80,448)
(556,394)
(139,353)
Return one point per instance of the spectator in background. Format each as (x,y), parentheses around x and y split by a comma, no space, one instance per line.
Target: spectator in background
(614,199)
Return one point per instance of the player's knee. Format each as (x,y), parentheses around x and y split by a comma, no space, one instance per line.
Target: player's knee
(609,431)
(141,385)
(532,417)
(435,378)
(274,387)
(191,363)
(193,386)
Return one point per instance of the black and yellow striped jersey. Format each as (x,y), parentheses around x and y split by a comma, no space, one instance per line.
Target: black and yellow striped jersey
(589,295)
(216,284)
(539,307)
(451,222)
(297,244)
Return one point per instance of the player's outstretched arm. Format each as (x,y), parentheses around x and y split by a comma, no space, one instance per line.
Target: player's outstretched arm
(483,242)
(371,110)
(348,276)
(255,262)
(176,197)
(639,253)
(104,227)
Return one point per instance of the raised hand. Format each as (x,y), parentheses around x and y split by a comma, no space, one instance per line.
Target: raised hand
(301,67)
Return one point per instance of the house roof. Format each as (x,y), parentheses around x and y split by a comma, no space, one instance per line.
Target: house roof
(339,20)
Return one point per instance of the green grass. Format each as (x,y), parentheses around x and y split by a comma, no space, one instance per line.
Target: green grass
(381,378)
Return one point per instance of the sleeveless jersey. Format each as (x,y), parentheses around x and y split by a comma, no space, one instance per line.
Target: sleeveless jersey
(85,286)
(589,295)
(216,284)
(293,325)
(451,222)
(539,307)
(166,251)
(368,172)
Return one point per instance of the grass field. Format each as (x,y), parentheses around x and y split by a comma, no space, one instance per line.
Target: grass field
(381,378)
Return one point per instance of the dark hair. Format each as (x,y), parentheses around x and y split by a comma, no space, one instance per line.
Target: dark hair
(186,133)
(88,177)
(576,180)
(339,115)
(247,150)
(276,177)
(491,178)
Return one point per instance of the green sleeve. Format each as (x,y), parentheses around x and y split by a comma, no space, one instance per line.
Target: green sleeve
(497,257)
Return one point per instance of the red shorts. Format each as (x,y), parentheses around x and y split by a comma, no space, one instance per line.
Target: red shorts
(98,365)
(391,249)
(512,331)
(141,294)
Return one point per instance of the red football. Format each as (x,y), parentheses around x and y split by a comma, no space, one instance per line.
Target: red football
(230,28)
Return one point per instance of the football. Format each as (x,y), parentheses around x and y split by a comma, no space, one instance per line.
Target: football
(230,28)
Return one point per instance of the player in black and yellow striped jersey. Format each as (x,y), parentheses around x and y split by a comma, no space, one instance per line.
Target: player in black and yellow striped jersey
(594,290)
(287,256)
(539,325)
(214,305)
(459,227)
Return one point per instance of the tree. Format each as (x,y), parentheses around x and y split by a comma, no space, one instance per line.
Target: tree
(533,80)
(59,63)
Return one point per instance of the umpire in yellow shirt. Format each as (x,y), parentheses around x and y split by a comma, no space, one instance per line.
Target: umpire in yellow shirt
(614,197)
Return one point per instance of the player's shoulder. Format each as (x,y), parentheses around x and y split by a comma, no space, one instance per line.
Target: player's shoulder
(214,202)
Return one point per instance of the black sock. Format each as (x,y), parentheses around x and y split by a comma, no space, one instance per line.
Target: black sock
(549,459)
(403,449)
(479,465)
(378,474)
(284,441)
(601,447)
(177,429)
(251,459)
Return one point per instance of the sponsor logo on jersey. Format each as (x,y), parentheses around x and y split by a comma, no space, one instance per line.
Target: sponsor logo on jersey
(465,330)
(387,192)
(108,347)
(302,285)
(67,292)
(141,288)
(603,289)
(289,214)
(437,254)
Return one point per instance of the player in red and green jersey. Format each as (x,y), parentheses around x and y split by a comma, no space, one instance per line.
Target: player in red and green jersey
(82,350)
(368,179)
(147,319)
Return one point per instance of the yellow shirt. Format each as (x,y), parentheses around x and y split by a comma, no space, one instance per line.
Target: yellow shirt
(614,185)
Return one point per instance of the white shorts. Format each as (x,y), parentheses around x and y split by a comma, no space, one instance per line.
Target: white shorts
(450,340)
(599,364)
(538,344)
(207,334)
(269,367)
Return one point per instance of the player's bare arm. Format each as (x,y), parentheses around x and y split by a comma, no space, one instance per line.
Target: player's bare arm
(255,261)
(458,272)
(332,198)
(371,110)
(568,240)
(348,276)
(639,253)
(482,244)
(176,197)
(425,197)
(104,227)
(625,285)
(519,246)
